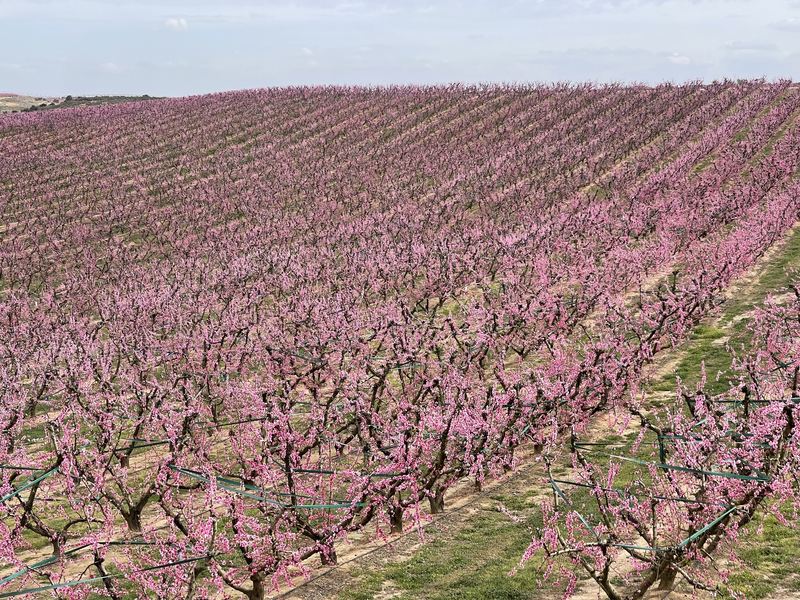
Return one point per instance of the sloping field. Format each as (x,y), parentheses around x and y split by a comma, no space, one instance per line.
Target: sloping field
(239,330)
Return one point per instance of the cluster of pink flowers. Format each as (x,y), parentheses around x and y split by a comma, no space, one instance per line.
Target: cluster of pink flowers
(236,328)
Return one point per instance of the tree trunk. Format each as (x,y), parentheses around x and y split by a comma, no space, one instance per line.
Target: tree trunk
(437,501)
(107,583)
(57,541)
(328,556)
(133,520)
(666,579)
(507,467)
(396,519)
(258,592)
(30,409)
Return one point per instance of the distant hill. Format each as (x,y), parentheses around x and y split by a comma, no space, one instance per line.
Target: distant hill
(10,102)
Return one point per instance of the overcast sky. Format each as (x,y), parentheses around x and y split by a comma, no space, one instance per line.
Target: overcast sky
(178,47)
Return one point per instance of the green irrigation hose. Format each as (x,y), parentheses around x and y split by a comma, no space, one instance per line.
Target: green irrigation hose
(77,582)
(668,467)
(29,484)
(225,483)
(53,559)
(18,468)
(623,492)
(679,546)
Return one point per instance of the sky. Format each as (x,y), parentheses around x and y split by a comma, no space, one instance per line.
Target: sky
(183,47)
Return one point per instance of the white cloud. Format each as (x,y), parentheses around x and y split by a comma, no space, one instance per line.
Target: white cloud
(176,24)
(110,67)
(790,24)
(307,51)
(679,59)
(741,46)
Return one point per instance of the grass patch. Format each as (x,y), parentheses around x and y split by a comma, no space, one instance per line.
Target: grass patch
(516,502)
(703,164)
(770,558)
(707,342)
(474,564)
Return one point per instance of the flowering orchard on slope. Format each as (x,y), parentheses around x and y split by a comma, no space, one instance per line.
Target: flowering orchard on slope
(702,468)
(236,328)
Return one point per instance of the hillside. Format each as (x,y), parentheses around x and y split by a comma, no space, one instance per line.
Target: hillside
(247,334)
